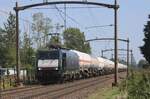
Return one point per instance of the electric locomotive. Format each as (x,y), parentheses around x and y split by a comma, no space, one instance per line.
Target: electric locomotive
(55,65)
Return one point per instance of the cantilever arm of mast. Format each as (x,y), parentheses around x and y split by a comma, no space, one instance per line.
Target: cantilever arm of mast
(113,49)
(96,39)
(66,2)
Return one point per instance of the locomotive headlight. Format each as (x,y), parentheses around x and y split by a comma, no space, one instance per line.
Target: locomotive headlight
(56,68)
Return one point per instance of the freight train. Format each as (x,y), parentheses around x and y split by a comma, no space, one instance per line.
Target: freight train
(65,64)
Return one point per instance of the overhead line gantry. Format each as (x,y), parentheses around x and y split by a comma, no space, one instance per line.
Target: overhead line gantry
(21,8)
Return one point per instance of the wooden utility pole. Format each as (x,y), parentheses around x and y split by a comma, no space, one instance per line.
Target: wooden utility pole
(17,45)
(116,45)
(128,51)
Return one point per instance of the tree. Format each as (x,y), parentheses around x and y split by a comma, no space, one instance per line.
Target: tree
(10,36)
(142,63)
(3,49)
(75,39)
(55,40)
(9,29)
(41,27)
(37,27)
(27,52)
(47,28)
(145,49)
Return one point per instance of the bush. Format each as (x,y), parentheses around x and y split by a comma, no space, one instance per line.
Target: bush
(137,85)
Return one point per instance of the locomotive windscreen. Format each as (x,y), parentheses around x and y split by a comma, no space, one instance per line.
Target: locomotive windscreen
(48,59)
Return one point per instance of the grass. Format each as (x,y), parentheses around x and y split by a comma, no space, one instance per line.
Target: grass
(5,83)
(136,86)
(105,93)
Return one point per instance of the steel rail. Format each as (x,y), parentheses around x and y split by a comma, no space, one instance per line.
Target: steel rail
(54,96)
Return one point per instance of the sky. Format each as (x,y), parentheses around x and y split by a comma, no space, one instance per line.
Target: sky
(132,16)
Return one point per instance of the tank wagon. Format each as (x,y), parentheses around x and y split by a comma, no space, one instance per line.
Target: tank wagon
(63,64)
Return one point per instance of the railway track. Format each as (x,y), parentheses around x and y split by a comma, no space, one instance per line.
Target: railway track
(20,89)
(69,90)
(54,91)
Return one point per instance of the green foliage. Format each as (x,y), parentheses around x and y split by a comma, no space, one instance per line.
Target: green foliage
(145,49)
(27,59)
(75,39)
(3,49)
(7,42)
(137,85)
(46,30)
(4,56)
(142,63)
(9,29)
(55,40)
(27,53)
(8,48)
(11,57)
(107,93)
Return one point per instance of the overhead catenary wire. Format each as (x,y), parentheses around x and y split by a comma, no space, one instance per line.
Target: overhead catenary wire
(59,13)
(68,16)
(7,13)
(94,20)
(24,20)
(62,12)
(91,14)
(58,9)
(28,23)
(65,21)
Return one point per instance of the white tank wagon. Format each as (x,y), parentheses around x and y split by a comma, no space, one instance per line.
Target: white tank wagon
(101,65)
(101,62)
(94,69)
(84,60)
(88,64)
(121,67)
(125,67)
(107,66)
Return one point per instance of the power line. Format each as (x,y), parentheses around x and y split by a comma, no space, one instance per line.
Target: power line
(59,12)
(69,17)
(65,21)
(25,20)
(91,14)
(7,13)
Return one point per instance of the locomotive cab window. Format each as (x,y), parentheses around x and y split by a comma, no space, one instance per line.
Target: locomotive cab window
(48,59)
(49,55)
(64,61)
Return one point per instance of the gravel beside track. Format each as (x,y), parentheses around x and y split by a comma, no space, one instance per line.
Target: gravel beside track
(85,92)
(20,89)
(69,90)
